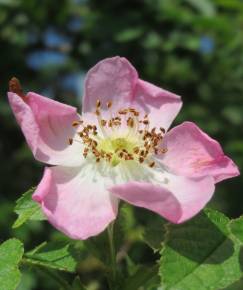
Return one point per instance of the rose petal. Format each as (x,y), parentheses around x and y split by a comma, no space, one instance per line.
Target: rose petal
(112,79)
(47,127)
(176,198)
(161,105)
(193,153)
(75,201)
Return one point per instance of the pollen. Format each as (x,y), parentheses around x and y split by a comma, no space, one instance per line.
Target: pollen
(122,137)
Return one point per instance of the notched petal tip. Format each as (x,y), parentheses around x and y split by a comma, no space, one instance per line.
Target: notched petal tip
(15,87)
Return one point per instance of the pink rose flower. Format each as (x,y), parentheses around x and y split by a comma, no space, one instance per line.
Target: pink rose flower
(118,148)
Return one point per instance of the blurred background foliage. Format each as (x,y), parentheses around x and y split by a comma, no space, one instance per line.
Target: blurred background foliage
(192,47)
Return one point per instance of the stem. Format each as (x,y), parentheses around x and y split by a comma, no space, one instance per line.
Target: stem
(59,280)
(55,276)
(112,251)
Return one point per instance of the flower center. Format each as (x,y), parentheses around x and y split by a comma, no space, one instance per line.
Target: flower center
(120,138)
(118,147)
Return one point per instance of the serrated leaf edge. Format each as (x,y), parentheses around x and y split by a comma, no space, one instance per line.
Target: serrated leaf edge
(167,232)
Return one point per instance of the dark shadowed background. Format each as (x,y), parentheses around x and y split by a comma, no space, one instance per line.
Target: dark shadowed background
(192,47)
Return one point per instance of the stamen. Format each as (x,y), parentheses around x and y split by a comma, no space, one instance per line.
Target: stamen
(138,144)
(109,104)
(130,122)
(136,150)
(103,123)
(76,123)
(162,130)
(152,164)
(164,150)
(123,112)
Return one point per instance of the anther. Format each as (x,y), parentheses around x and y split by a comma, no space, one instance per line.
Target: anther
(141,159)
(98,103)
(136,150)
(103,123)
(122,112)
(109,104)
(152,164)
(70,141)
(164,150)
(162,130)
(76,123)
(131,110)
(130,122)
(121,154)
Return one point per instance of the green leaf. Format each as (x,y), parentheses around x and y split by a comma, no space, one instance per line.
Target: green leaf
(235,286)
(129,34)
(27,209)
(142,276)
(200,254)
(236,228)
(206,7)
(56,255)
(77,285)
(11,253)
(154,233)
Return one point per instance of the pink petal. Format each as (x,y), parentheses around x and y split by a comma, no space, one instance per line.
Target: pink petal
(193,153)
(75,201)
(178,199)
(112,79)
(161,105)
(47,126)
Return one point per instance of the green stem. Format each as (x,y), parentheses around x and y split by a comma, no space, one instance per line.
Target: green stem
(112,252)
(52,274)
